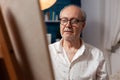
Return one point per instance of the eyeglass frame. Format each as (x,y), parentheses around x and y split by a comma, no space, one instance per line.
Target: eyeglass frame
(72,23)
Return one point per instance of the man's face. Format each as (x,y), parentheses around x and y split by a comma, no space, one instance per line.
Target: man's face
(71,24)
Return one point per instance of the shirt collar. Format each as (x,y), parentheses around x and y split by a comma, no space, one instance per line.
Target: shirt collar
(79,52)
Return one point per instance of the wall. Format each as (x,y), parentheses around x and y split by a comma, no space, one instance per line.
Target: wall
(93,30)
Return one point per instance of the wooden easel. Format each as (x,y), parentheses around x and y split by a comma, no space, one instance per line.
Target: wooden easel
(5,53)
(24,26)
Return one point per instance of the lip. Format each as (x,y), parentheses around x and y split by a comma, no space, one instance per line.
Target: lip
(68,30)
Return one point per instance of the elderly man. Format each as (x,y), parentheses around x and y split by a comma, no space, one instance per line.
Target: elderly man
(72,58)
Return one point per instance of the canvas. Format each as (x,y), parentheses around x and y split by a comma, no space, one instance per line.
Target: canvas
(27,32)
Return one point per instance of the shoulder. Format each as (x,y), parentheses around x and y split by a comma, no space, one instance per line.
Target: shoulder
(94,51)
(92,48)
(54,44)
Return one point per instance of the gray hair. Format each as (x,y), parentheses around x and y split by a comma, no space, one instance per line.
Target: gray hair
(84,16)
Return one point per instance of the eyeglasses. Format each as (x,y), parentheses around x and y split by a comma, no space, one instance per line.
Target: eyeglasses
(73,21)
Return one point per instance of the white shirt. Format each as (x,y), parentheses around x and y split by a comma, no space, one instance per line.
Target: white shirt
(87,64)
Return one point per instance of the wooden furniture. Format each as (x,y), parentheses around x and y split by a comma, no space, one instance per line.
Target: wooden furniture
(7,71)
(23,41)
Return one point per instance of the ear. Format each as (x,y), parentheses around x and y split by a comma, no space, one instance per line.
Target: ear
(83,25)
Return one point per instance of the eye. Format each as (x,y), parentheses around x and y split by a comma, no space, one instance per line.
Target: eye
(64,21)
(74,21)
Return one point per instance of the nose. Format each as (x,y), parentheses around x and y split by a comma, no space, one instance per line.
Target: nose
(68,24)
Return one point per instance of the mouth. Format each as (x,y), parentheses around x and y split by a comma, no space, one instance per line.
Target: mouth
(68,30)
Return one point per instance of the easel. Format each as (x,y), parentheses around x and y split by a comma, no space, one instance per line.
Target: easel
(5,52)
(26,29)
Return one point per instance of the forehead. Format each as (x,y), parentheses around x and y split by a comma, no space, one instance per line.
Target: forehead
(71,12)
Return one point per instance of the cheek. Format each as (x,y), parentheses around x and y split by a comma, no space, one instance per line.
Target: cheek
(61,30)
(78,30)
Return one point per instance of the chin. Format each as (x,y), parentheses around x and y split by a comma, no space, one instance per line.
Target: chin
(68,38)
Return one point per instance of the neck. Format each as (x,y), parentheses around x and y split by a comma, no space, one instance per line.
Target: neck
(71,47)
(72,44)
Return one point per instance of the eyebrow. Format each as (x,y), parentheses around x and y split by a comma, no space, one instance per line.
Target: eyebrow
(68,19)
